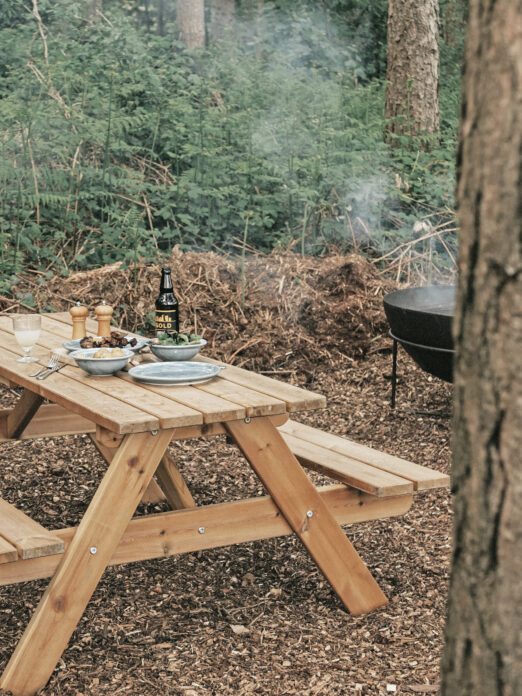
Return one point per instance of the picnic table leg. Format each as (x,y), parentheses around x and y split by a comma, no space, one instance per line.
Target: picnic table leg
(83,563)
(171,486)
(17,421)
(152,494)
(307,514)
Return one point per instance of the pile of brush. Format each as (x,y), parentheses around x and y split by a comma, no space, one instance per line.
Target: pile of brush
(283,313)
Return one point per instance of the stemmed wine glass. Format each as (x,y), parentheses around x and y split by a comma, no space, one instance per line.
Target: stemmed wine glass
(27,330)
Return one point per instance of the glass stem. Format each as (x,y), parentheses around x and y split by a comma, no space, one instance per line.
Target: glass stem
(27,352)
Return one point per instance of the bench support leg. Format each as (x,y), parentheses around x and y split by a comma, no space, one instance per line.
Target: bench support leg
(171,486)
(83,563)
(307,514)
(16,420)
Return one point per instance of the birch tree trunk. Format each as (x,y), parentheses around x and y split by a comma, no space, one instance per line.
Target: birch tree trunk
(190,18)
(483,653)
(412,67)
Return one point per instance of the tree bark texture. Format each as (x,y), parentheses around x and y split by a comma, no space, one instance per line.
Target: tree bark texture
(412,67)
(190,18)
(483,653)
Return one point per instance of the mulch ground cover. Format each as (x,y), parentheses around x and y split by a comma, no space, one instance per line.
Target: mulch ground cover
(256,618)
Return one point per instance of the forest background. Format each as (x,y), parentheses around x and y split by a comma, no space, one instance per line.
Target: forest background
(118,143)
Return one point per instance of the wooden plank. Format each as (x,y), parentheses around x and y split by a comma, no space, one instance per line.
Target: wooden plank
(52,324)
(45,340)
(173,484)
(170,533)
(8,552)
(305,511)
(153,493)
(168,413)
(255,403)
(77,576)
(346,470)
(422,477)
(18,418)
(210,429)
(296,399)
(213,408)
(52,421)
(76,397)
(60,323)
(271,390)
(28,537)
(177,406)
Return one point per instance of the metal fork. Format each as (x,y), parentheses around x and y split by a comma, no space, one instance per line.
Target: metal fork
(53,361)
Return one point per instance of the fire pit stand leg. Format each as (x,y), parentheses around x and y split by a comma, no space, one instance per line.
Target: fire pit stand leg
(394,373)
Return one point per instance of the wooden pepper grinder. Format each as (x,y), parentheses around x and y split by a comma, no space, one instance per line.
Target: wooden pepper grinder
(104,314)
(79,317)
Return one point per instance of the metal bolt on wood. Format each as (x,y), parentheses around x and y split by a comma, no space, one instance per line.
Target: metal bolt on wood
(310,513)
(93,550)
(247,420)
(153,432)
(201,530)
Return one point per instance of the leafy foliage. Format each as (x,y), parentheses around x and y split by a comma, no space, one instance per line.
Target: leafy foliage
(116,143)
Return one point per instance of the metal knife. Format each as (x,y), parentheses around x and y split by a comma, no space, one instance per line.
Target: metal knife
(50,372)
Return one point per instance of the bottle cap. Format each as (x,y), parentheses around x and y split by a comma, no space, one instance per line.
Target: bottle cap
(166,269)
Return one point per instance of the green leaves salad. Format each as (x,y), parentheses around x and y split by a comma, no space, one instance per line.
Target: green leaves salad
(177,339)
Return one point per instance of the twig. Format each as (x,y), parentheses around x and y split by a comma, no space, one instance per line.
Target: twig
(35,178)
(36,14)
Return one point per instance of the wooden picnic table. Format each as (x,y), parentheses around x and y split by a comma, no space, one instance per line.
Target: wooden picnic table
(132,425)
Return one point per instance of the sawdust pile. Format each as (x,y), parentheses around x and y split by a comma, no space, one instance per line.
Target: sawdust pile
(295,311)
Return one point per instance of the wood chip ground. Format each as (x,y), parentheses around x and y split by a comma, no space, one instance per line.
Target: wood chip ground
(259,618)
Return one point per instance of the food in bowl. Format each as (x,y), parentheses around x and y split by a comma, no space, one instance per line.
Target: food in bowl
(170,349)
(177,339)
(104,361)
(116,339)
(109,353)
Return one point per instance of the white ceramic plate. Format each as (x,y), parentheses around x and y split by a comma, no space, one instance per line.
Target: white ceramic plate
(175,373)
(75,345)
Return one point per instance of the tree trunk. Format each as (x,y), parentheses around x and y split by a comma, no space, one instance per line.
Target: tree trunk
(190,18)
(412,72)
(483,653)
(221,17)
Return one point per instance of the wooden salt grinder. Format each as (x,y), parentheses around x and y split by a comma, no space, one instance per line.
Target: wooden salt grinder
(79,316)
(104,314)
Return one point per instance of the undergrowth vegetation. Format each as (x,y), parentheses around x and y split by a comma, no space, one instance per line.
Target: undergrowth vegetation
(116,143)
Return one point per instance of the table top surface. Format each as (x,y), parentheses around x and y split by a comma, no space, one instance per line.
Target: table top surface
(122,405)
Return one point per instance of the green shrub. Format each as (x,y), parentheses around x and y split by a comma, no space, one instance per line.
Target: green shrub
(123,144)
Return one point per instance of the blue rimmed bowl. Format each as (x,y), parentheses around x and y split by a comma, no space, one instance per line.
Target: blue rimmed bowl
(183,352)
(100,366)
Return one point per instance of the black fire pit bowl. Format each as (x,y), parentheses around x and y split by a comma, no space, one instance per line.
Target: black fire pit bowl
(420,320)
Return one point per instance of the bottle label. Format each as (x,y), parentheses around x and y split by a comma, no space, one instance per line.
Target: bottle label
(166,320)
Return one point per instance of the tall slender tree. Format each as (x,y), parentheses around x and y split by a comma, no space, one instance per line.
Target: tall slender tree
(483,653)
(221,17)
(190,18)
(412,72)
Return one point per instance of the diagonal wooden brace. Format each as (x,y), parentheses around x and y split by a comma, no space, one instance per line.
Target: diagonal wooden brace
(16,420)
(83,563)
(307,514)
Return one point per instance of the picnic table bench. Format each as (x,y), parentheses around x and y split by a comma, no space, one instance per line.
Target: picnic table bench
(132,425)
